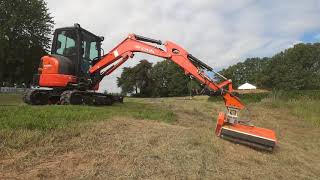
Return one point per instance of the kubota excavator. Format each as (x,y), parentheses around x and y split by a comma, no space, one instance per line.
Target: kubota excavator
(75,67)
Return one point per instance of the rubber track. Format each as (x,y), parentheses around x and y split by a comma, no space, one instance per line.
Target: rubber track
(88,98)
(29,94)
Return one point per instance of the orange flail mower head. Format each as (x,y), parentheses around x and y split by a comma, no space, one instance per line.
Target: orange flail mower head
(259,138)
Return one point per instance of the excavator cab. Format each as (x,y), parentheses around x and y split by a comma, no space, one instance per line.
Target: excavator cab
(63,76)
(78,46)
(74,50)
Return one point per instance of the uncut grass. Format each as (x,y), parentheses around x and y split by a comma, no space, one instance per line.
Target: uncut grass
(22,125)
(305,104)
(53,117)
(305,108)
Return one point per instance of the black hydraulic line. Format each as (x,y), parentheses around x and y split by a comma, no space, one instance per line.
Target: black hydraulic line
(199,62)
(146,39)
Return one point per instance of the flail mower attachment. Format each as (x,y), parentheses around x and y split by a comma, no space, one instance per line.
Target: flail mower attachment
(255,137)
(229,127)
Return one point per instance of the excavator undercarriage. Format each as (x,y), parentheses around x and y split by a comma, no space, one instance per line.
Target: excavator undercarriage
(73,71)
(69,97)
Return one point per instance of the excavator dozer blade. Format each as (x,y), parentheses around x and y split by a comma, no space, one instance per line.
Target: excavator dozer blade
(255,137)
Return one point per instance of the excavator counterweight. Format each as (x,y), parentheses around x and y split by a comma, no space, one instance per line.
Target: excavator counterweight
(73,71)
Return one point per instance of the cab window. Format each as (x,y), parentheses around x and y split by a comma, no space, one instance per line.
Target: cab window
(89,51)
(66,45)
(89,46)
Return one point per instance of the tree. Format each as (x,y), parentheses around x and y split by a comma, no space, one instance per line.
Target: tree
(295,68)
(143,78)
(137,80)
(170,80)
(161,80)
(248,71)
(127,81)
(24,29)
(160,77)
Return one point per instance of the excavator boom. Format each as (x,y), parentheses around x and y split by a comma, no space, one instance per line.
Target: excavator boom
(191,65)
(229,126)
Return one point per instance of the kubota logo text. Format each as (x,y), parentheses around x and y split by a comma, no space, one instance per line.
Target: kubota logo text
(147,50)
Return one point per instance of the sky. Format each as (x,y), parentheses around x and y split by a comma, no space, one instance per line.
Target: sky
(218,32)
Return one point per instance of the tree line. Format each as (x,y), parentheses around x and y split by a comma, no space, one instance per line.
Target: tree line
(25,26)
(161,80)
(296,68)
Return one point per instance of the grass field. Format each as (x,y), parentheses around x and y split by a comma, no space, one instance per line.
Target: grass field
(159,138)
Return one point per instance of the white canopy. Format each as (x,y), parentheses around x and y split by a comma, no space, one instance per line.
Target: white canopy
(247,86)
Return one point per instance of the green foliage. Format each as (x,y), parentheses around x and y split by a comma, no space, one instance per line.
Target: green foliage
(295,69)
(24,29)
(137,80)
(162,80)
(170,80)
(248,71)
(127,81)
(144,78)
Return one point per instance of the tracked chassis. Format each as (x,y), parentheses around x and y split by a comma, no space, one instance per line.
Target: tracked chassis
(69,97)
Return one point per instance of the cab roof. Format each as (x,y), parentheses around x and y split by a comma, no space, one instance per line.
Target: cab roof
(77,26)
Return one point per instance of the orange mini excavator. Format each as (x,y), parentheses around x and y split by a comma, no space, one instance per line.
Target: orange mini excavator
(73,71)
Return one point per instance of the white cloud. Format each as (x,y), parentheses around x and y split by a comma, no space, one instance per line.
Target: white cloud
(218,32)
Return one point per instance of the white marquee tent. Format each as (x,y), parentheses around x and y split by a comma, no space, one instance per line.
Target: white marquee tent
(247,86)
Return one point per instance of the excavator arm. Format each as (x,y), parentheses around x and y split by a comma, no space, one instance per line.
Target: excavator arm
(228,126)
(190,64)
